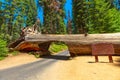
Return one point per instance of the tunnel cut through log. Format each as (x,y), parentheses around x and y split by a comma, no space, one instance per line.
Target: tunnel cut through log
(77,44)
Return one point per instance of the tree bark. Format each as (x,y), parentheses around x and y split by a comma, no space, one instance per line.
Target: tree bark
(80,44)
(77,44)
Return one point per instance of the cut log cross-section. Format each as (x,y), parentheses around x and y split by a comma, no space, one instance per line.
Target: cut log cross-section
(77,44)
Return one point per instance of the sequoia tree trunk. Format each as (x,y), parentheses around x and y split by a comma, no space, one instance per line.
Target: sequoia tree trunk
(77,44)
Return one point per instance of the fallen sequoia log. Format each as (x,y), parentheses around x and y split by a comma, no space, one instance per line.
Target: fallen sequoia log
(77,44)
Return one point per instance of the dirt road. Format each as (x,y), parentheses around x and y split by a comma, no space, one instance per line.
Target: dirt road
(59,68)
(20,59)
(83,68)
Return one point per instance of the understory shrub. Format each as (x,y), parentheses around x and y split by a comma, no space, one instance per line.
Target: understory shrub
(3,48)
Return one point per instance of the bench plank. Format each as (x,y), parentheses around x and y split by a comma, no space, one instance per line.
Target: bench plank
(103,49)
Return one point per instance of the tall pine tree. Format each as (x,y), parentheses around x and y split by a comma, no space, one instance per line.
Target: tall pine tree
(15,15)
(95,16)
(53,16)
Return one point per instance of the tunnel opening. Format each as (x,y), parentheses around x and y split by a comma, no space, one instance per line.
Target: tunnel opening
(56,47)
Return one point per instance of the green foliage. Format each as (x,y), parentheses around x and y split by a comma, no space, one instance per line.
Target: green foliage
(57,47)
(14,53)
(105,19)
(3,48)
(36,54)
(95,16)
(92,16)
(14,16)
(61,29)
(31,12)
(114,20)
(79,15)
(30,53)
(1,58)
(53,16)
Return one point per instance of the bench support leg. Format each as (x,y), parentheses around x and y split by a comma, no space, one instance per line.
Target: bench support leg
(110,59)
(96,59)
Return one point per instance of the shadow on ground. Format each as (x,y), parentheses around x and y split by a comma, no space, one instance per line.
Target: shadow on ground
(117,62)
(57,57)
(117,59)
(98,62)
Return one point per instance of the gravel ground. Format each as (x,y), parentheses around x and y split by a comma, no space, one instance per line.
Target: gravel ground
(84,68)
(20,59)
(79,68)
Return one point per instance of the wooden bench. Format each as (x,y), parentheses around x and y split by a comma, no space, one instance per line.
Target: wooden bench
(103,49)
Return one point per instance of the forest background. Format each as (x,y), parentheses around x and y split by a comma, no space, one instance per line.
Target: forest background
(87,16)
